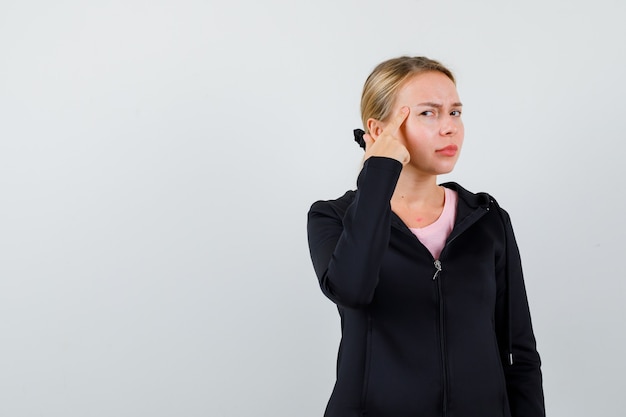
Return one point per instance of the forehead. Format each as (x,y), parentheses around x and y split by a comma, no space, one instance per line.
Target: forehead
(432,86)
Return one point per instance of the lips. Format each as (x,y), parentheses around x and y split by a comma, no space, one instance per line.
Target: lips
(449,150)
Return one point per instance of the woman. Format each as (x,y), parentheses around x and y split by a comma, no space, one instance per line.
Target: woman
(427,278)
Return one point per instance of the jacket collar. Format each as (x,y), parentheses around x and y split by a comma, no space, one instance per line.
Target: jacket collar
(472,200)
(470,208)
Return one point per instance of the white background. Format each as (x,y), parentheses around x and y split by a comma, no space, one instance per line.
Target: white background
(158,159)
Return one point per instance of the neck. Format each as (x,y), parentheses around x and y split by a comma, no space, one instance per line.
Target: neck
(415,189)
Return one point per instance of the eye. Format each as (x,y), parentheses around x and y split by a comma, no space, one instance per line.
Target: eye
(455,113)
(427,113)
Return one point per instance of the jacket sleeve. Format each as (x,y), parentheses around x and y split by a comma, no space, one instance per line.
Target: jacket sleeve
(522,365)
(347,249)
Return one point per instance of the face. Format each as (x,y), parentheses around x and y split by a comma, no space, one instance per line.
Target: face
(433,131)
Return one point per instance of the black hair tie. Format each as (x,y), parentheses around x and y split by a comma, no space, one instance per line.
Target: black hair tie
(358,137)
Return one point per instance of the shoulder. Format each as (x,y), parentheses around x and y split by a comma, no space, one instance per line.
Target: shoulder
(334,208)
(378,175)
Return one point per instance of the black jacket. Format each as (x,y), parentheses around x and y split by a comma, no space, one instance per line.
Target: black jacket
(424,337)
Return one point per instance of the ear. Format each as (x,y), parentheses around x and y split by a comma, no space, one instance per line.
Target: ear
(374,128)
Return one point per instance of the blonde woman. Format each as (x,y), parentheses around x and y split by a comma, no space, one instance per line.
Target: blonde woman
(426,277)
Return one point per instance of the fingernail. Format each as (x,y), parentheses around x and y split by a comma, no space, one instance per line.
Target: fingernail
(405,109)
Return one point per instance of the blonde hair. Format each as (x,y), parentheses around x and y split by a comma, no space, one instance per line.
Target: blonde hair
(379,91)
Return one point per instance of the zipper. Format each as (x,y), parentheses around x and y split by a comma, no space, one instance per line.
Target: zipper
(456,231)
(442,340)
(437,268)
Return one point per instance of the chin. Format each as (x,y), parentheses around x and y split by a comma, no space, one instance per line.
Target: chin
(443,172)
(446,169)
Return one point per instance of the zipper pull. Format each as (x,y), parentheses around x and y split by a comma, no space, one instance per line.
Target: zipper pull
(438,268)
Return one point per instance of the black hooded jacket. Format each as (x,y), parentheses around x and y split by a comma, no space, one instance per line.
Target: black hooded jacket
(423,337)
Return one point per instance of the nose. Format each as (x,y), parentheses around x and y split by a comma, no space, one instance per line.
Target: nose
(448,127)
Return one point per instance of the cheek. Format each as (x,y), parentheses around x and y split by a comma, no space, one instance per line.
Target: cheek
(461,133)
(414,130)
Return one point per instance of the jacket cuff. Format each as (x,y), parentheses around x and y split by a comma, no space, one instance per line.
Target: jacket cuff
(380,168)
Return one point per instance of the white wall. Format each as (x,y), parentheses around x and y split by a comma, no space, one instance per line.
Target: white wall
(158,158)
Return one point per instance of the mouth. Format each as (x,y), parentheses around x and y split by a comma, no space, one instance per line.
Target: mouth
(449,150)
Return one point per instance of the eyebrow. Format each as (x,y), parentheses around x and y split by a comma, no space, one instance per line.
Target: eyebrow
(437,105)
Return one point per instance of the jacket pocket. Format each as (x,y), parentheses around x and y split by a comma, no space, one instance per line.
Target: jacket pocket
(366,366)
(500,370)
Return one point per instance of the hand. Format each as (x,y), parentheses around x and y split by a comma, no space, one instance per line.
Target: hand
(387,143)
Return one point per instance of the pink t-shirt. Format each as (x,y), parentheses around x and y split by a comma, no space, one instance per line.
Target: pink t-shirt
(434,235)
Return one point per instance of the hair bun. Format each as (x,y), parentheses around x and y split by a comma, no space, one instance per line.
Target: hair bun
(358,137)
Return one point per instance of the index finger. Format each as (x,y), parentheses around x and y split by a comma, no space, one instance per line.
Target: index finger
(397,121)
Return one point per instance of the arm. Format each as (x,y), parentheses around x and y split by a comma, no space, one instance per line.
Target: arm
(523,375)
(347,251)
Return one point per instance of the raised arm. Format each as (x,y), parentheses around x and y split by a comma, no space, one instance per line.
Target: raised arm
(347,243)
(347,239)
